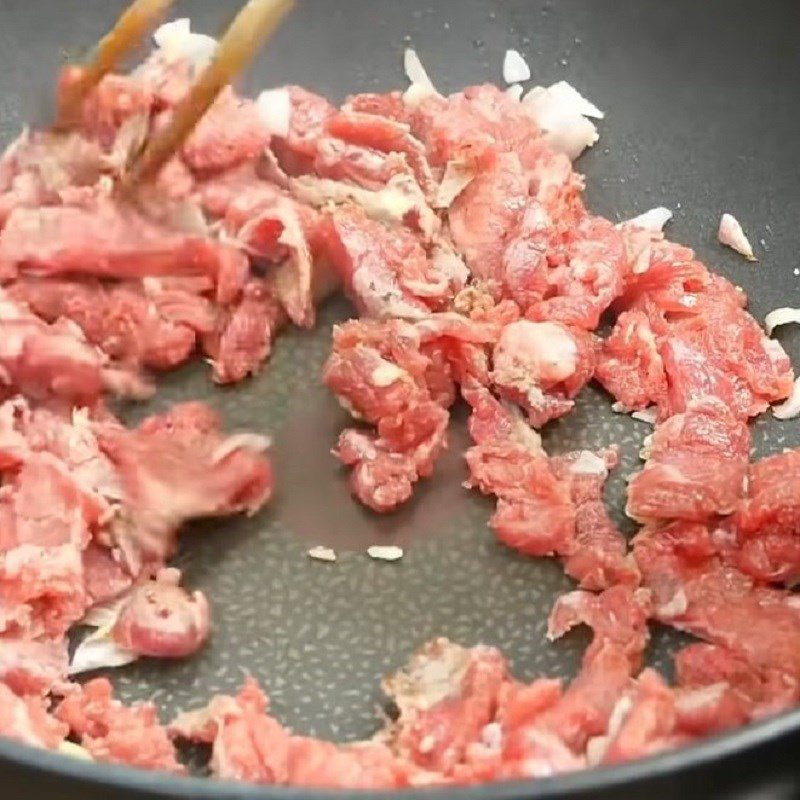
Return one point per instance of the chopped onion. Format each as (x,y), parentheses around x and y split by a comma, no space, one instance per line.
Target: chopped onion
(562,113)
(588,463)
(457,175)
(321,553)
(177,40)
(648,415)
(653,220)
(730,233)
(421,85)
(515,91)
(99,650)
(385,552)
(790,408)
(781,316)
(275,109)
(515,67)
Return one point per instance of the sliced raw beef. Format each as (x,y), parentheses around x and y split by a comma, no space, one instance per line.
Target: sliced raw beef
(250,745)
(241,340)
(768,522)
(385,270)
(542,366)
(177,466)
(445,695)
(116,733)
(134,322)
(599,557)
(696,466)
(695,589)
(109,241)
(630,366)
(28,720)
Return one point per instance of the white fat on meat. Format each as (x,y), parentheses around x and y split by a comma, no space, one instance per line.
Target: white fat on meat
(653,220)
(791,407)
(562,113)
(730,233)
(275,109)
(177,40)
(542,351)
(515,67)
(781,316)
(386,373)
(421,85)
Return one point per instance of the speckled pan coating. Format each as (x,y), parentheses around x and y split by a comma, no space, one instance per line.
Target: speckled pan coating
(698,115)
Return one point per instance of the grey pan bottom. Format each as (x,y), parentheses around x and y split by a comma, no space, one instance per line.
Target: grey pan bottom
(702,118)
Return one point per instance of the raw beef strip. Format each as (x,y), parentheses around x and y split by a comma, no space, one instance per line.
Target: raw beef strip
(161,620)
(137,323)
(768,522)
(599,558)
(309,114)
(54,361)
(751,693)
(32,666)
(250,745)
(27,720)
(541,366)
(696,590)
(696,467)
(535,514)
(116,733)
(365,166)
(177,466)
(385,270)
(230,132)
(378,371)
(445,696)
(630,366)
(241,340)
(108,241)
(482,216)
(384,135)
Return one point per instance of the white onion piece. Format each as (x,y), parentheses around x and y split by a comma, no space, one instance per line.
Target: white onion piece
(385,552)
(99,650)
(177,40)
(568,96)
(515,91)
(730,233)
(457,175)
(559,115)
(421,85)
(791,407)
(275,109)
(648,415)
(781,316)
(588,463)
(653,220)
(515,67)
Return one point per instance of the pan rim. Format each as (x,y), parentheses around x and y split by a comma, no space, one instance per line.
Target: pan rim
(151,784)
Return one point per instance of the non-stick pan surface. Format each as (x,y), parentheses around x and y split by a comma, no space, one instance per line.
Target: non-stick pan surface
(703,117)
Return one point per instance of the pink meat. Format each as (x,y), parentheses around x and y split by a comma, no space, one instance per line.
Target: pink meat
(109,241)
(542,366)
(27,720)
(250,745)
(162,620)
(133,323)
(32,666)
(385,271)
(115,733)
(696,467)
(768,520)
(241,340)
(177,466)
(484,213)
(230,133)
(695,590)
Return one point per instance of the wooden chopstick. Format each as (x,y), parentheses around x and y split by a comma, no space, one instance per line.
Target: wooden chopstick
(133,25)
(257,20)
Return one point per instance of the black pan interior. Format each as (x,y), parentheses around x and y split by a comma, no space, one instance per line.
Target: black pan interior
(702,116)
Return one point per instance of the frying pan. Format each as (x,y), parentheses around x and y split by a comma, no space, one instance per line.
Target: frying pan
(701,117)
